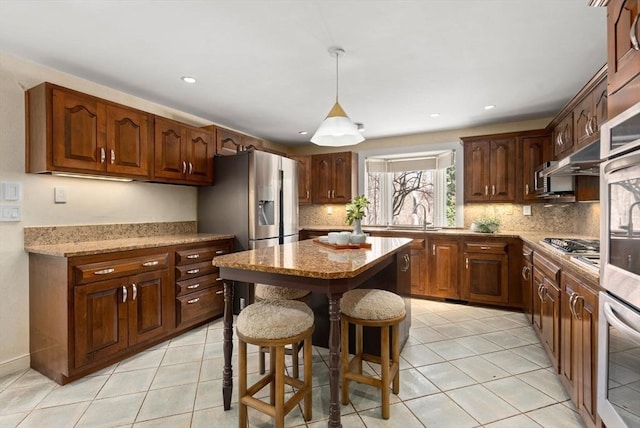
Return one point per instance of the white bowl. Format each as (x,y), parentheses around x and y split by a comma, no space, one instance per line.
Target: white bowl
(332,237)
(343,238)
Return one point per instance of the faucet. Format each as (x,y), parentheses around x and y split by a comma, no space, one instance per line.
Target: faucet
(630,225)
(424,216)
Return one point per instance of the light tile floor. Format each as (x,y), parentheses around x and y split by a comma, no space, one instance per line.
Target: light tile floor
(462,366)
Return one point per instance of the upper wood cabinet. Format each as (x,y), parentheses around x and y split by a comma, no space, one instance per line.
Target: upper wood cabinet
(334,178)
(489,169)
(304,179)
(535,151)
(589,115)
(183,154)
(230,142)
(68,131)
(563,137)
(623,39)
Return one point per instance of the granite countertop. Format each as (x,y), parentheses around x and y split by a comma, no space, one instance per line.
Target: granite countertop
(313,260)
(123,244)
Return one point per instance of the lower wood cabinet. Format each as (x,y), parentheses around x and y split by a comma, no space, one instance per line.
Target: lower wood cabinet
(527,282)
(486,272)
(87,312)
(418,267)
(546,306)
(442,276)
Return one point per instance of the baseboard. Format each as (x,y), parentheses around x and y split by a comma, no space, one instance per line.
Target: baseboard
(15,365)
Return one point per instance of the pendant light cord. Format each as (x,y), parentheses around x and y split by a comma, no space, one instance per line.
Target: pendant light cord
(337,75)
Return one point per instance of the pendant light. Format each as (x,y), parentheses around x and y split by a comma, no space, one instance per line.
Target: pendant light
(337,129)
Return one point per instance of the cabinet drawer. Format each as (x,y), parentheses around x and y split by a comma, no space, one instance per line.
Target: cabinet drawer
(195,269)
(486,247)
(119,267)
(199,306)
(196,284)
(194,255)
(547,267)
(417,244)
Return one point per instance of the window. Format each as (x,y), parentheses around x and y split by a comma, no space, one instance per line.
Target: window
(411,188)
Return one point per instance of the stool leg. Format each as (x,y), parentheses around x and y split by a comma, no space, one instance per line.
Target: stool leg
(279,386)
(396,358)
(384,362)
(242,383)
(345,359)
(273,370)
(308,380)
(359,340)
(261,353)
(295,348)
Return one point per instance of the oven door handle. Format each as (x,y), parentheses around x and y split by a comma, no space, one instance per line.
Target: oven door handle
(622,163)
(618,323)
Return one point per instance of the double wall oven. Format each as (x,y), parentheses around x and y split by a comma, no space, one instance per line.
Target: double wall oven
(619,321)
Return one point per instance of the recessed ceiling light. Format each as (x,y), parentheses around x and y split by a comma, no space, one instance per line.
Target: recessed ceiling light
(188,79)
(303,132)
(489,107)
(434,114)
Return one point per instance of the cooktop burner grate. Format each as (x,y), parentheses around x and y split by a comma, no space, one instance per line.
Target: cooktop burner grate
(574,245)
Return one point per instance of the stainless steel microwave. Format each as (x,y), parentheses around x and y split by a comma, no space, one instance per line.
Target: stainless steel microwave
(621,134)
(549,186)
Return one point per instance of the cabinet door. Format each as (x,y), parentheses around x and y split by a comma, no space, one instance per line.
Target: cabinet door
(200,152)
(418,267)
(304,179)
(623,60)
(100,317)
(570,335)
(503,170)
(600,105)
(78,137)
(586,308)
(550,309)
(128,149)
(227,142)
(534,153)
(149,306)
(476,171)
(538,282)
(582,117)
(341,192)
(527,288)
(251,142)
(486,278)
(443,274)
(169,149)
(563,137)
(322,168)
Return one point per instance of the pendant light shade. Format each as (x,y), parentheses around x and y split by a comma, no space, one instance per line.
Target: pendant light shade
(337,129)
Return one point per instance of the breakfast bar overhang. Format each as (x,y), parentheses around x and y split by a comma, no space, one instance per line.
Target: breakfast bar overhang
(312,266)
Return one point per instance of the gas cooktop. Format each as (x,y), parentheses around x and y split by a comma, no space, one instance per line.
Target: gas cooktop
(574,246)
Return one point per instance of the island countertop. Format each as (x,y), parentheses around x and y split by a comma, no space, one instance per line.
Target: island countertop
(313,260)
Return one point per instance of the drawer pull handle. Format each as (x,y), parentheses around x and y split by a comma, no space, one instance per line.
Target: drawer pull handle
(191,287)
(104,271)
(193,271)
(103,155)
(220,292)
(219,251)
(113,156)
(485,247)
(153,263)
(135,291)
(193,256)
(124,294)
(218,279)
(192,301)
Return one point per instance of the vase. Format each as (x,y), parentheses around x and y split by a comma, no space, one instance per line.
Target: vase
(357,236)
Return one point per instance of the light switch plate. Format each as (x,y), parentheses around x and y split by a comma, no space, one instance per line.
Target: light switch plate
(10,212)
(526,210)
(60,195)
(11,191)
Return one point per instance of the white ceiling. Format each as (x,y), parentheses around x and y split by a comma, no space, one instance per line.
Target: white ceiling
(263,67)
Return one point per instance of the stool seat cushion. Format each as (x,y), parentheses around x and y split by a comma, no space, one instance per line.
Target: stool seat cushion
(274,319)
(368,304)
(265,292)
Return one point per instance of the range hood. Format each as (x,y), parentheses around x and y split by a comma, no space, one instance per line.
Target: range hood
(586,161)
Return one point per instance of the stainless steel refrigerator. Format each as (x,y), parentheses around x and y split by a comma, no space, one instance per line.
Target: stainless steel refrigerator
(255,198)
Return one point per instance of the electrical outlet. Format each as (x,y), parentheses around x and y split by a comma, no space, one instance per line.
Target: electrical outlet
(526,210)
(60,195)
(10,212)
(329,210)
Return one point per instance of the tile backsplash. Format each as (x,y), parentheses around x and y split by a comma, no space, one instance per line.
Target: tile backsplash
(580,218)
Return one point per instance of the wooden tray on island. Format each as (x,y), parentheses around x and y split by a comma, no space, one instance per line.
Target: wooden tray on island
(343,247)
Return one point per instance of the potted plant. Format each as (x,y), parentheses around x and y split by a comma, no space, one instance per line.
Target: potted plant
(356,211)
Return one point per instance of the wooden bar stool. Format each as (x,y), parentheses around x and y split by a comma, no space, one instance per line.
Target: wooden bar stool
(372,308)
(274,324)
(274,292)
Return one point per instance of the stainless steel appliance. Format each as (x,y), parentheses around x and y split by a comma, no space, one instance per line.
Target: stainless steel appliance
(582,246)
(552,187)
(619,320)
(255,198)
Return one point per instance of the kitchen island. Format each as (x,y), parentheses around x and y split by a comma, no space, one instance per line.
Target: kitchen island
(311,266)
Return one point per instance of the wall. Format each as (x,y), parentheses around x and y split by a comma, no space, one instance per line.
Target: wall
(89,201)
